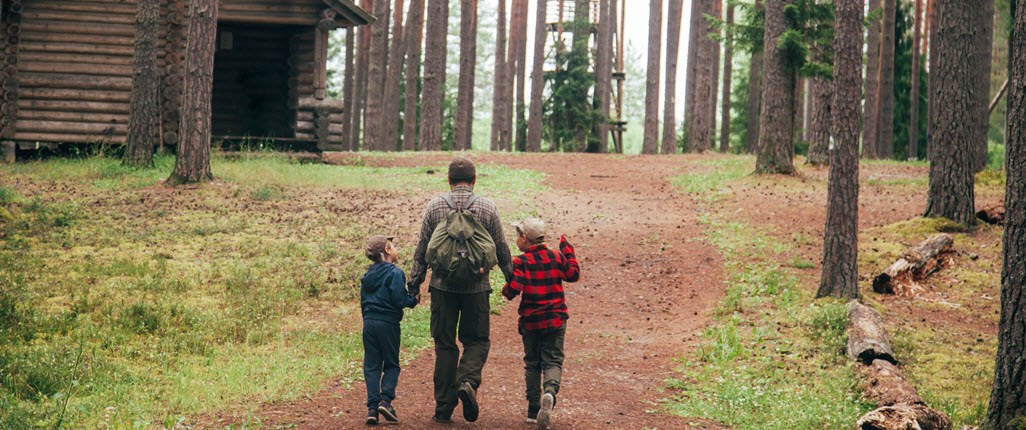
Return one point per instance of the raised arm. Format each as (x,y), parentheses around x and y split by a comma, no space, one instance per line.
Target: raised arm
(571,271)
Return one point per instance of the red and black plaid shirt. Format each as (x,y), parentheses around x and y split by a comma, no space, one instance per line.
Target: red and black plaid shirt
(539,276)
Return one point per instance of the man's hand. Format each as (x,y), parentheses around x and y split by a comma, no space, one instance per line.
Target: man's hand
(416,300)
(413,289)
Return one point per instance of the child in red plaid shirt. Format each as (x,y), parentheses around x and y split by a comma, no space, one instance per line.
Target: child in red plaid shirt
(538,275)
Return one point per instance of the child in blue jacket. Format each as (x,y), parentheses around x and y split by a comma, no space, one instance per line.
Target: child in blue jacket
(383,296)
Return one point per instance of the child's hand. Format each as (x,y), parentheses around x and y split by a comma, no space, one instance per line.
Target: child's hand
(508,292)
(565,247)
(416,300)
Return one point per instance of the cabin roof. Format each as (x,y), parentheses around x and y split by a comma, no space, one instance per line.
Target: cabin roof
(351,12)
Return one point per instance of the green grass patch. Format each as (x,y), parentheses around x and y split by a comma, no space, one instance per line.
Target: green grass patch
(128,307)
(774,358)
(715,174)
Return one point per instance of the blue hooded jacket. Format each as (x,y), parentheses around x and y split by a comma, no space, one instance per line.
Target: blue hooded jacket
(383,293)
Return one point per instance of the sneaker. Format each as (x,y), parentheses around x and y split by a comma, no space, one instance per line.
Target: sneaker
(468,396)
(532,414)
(372,417)
(548,400)
(387,412)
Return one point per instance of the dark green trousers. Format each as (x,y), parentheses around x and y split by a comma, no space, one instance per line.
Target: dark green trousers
(465,316)
(543,363)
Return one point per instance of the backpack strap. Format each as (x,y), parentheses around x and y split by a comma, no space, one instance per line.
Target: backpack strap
(466,205)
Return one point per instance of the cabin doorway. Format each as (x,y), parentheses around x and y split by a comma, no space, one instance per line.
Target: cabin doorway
(251,71)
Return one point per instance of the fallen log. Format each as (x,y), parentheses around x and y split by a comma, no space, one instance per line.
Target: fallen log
(992,215)
(902,276)
(867,339)
(904,417)
(883,384)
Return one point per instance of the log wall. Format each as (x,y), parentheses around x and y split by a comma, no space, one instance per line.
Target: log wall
(10,40)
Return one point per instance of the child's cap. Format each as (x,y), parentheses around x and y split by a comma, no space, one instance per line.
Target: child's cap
(532,228)
(376,246)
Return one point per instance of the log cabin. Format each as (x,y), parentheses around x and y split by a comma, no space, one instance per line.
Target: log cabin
(66,70)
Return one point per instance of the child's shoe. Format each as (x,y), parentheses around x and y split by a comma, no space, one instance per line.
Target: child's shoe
(548,401)
(532,414)
(387,412)
(372,417)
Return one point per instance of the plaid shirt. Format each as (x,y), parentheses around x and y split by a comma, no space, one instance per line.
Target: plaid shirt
(486,212)
(539,275)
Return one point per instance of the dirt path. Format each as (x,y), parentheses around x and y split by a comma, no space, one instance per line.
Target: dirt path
(648,286)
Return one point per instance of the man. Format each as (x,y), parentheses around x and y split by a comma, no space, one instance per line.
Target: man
(459,308)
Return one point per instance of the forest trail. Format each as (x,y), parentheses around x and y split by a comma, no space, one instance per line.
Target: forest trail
(648,287)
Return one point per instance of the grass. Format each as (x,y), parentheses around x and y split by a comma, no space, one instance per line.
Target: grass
(715,174)
(125,305)
(774,358)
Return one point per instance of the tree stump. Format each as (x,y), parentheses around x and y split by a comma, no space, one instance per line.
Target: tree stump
(902,276)
(992,215)
(867,339)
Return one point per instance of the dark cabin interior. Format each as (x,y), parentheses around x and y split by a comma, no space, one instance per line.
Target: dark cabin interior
(251,72)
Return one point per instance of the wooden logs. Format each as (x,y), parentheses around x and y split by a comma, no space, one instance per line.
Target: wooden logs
(992,215)
(883,382)
(904,417)
(902,276)
(867,339)
(10,40)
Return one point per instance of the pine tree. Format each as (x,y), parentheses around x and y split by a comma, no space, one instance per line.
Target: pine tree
(728,70)
(776,137)
(468,61)
(871,130)
(414,40)
(534,125)
(501,80)
(434,75)
(390,105)
(885,97)
(655,22)
(669,145)
(193,161)
(144,107)
(913,123)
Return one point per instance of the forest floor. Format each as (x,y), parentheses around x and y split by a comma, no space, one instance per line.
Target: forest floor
(694,309)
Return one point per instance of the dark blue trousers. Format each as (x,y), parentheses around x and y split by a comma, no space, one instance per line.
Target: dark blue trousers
(380,360)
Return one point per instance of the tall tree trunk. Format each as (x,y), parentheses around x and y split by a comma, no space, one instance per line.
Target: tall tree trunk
(434,75)
(1008,395)
(373,134)
(690,81)
(953,118)
(819,123)
(670,103)
(520,126)
(700,129)
(506,135)
(389,123)
(501,80)
(193,161)
(913,123)
(347,86)
(716,10)
(984,41)
(144,108)
(754,96)
(776,148)
(360,86)
(603,72)
(871,130)
(468,61)
(655,23)
(840,237)
(885,98)
(728,72)
(538,79)
(414,41)
(931,22)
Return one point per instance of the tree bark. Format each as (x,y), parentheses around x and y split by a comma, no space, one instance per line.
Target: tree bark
(389,121)
(903,275)
(501,80)
(728,72)
(952,122)
(840,243)
(904,416)
(655,22)
(716,10)
(193,161)
(690,81)
(534,125)
(884,384)
(885,98)
(144,108)
(603,72)
(867,338)
(468,61)
(1008,395)
(754,97)
(700,132)
(520,126)
(434,75)
(913,123)
(360,86)
(871,130)
(373,135)
(414,40)
(984,41)
(819,124)
(347,86)
(670,103)
(506,135)
(776,149)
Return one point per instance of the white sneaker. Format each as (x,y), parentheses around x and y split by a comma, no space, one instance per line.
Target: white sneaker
(545,414)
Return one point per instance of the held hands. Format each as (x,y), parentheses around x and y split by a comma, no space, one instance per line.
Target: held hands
(508,292)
